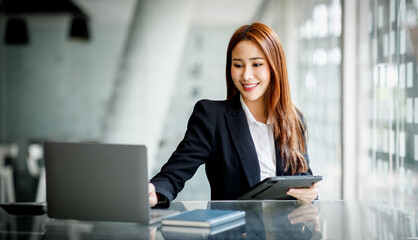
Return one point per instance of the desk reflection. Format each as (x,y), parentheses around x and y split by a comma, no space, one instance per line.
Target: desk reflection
(264,220)
(273,220)
(16,226)
(294,220)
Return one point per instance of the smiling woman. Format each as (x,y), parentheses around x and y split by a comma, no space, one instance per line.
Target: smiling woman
(260,41)
(256,133)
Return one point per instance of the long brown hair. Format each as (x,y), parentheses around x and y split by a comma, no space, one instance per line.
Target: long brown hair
(286,119)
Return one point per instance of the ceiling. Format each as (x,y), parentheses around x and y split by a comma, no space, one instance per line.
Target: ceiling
(206,13)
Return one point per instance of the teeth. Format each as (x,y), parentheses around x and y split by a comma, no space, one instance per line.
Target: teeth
(250,86)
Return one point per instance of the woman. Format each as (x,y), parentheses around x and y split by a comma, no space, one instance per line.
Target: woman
(256,133)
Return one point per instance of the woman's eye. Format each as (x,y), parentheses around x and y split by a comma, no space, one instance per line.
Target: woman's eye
(257,64)
(238,66)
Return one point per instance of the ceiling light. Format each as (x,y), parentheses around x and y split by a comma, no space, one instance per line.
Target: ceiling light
(16,31)
(79,29)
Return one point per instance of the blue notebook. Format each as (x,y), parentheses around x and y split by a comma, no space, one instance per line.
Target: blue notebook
(203,218)
(181,232)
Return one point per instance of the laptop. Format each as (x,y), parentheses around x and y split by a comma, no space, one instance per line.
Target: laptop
(99,182)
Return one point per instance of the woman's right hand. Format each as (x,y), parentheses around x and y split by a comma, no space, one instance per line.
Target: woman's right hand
(152,195)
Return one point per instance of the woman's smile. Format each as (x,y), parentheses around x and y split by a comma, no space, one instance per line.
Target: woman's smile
(249,87)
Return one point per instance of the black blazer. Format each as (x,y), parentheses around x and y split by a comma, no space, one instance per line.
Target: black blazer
(218,136)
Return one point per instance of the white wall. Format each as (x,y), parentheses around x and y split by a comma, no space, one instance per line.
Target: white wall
(145,82)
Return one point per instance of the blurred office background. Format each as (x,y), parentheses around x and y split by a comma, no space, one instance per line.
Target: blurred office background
(130,71)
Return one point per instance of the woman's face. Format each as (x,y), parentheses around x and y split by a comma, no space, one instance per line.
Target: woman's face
(250,71)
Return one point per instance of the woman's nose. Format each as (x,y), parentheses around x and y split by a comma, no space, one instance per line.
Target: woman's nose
(248,73)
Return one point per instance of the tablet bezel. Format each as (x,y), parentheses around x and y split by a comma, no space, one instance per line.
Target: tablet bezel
(276,187)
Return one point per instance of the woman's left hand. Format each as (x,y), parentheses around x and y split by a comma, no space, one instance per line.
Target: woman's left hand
(304,194)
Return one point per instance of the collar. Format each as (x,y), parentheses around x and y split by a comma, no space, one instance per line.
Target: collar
(248,115)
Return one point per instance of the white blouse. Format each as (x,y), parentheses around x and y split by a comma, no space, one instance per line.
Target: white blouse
(262,135)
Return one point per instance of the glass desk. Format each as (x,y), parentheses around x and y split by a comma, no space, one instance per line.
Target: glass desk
(264,220)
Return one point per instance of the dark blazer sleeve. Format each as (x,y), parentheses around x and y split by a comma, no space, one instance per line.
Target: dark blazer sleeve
(193,150)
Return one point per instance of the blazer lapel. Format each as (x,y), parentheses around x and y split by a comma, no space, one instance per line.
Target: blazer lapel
(241,137)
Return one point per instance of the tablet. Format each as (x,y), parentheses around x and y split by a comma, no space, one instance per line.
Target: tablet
(276,187)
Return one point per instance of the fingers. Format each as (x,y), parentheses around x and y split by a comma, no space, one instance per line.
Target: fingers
(152,195)
(152,233)
(299,219)
(317,224)
(304,218)
(151,188)
(304,209)
(304,194)
(304,213)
